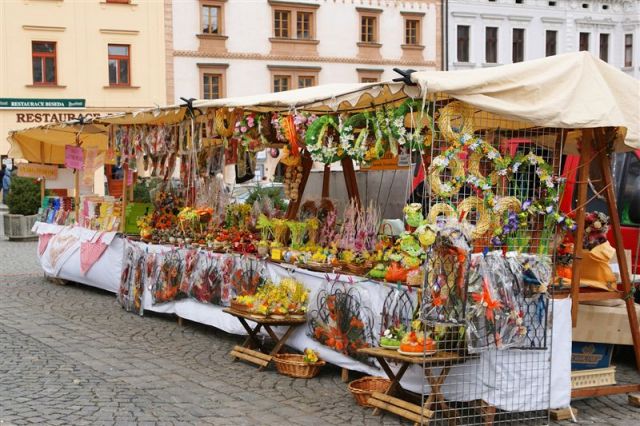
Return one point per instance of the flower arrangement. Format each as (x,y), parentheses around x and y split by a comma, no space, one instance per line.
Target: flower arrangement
(297,232)
(341,321)
(288,297)
(310,357)
(596,226)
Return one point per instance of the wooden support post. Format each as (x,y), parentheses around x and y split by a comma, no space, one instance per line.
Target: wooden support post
(344,375)
(42,179)
(307,163)
(585,159)
(605,169)
(123,214)
(350,179)
(76,199)
(326,177)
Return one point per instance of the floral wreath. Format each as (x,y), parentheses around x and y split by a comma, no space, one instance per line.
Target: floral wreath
(479,150)
(320,143)
(448,159)
(359,147)
(390,124)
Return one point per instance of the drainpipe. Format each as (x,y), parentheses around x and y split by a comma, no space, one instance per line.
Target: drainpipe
(444,25)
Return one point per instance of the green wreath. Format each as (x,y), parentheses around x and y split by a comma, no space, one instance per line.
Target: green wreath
(320,143)
(359,147)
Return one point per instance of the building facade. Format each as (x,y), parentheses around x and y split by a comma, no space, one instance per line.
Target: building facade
(60,59)
(484,33)
(223,48)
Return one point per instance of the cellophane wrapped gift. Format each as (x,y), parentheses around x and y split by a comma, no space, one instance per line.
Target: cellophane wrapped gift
(167,284)
(206,286)
(495,314)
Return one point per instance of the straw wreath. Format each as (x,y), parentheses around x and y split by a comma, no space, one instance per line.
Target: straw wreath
(438,209)
(449,113)
(483,223)
(453,185)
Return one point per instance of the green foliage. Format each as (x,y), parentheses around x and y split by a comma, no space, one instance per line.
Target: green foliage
(273,192)
(24,196)
(141,190)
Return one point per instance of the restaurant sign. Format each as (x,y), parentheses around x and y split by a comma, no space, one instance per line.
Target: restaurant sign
(28,103)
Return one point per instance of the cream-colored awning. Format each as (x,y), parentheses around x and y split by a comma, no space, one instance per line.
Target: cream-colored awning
(319,99)
(45,144)
(570,91)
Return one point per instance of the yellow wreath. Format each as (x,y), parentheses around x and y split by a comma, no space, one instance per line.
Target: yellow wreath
(450,112)
(483,223)
(438,209)
(226,121)
(507,203)
(450,188)
(484,150)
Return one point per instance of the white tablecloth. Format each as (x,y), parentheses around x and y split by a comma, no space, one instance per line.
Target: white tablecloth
(510,379)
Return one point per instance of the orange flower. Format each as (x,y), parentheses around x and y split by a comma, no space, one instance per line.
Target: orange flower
(339,345)
(356,323)
(486,300)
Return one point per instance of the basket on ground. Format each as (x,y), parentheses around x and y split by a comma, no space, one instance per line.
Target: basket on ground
(293,365)
(362,389)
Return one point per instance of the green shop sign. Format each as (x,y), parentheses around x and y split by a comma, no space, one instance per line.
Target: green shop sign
(26,103)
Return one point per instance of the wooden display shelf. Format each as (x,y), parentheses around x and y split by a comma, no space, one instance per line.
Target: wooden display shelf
(252,350)
(435,401)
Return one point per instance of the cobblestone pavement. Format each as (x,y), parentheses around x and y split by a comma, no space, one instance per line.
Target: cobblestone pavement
(70,355)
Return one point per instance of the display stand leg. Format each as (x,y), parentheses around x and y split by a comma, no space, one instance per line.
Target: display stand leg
(326,177)
(350,180)
(307,163)
(605,169)
(344,375)
(123,214)
(585,159)
(76,195)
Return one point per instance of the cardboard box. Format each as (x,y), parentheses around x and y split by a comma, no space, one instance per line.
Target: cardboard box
(604,324)
(586,356)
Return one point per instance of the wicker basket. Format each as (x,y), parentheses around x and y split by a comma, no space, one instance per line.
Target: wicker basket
(292,365)
(357,269)
(239,307)
(362,389)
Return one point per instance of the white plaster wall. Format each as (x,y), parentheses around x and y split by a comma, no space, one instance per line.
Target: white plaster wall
(250,77)
(568,17)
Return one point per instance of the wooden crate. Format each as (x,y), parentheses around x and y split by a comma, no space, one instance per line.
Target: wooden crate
(593,377)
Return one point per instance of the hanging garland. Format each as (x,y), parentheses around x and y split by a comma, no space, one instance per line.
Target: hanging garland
(321,140)
(226,121)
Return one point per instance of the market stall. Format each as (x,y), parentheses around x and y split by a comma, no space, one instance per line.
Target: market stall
(471,278)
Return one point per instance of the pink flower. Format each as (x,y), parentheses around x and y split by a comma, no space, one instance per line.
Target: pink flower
(243,129)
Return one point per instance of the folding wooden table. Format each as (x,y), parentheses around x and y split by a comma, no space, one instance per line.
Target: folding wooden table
(252,350)
(435,400)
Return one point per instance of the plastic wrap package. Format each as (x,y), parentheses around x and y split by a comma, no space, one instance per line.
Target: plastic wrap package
(206,287)
(495,312)
(532,275)
(247,276)
(340,318)
(132,279)
(227,266)
(191,258)
(447,268)
(166,286)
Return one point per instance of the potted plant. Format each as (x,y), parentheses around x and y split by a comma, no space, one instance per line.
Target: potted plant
(23,201)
